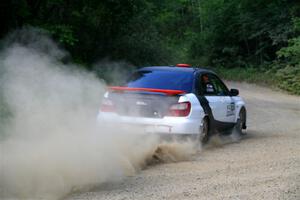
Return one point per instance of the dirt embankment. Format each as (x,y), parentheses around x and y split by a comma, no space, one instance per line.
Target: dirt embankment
(265,164)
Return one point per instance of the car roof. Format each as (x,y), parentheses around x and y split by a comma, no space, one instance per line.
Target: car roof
(178,69)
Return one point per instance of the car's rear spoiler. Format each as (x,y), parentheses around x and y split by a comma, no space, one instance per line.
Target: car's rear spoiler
(167,92)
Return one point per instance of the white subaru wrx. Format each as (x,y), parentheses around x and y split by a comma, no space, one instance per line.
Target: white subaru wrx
(175,100)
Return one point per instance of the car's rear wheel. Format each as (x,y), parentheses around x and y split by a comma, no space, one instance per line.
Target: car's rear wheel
(204,132)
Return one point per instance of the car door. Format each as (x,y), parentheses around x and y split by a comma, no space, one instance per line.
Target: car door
(217,94)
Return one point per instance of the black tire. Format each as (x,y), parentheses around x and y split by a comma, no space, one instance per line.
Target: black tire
(204,132)
(241,122)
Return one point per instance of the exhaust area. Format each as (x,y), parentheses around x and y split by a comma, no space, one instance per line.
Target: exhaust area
(50,143)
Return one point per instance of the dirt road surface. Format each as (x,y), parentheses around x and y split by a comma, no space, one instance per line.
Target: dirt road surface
(265,164)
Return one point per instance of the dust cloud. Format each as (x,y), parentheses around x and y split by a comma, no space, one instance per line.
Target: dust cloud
(51,145)
(175,150)
(220,140)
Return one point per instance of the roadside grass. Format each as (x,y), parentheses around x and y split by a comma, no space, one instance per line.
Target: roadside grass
(250,75)
(287,81)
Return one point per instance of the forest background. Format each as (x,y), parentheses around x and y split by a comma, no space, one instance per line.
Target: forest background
(244,40)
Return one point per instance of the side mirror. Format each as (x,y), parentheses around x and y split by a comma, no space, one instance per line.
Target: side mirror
(234,92)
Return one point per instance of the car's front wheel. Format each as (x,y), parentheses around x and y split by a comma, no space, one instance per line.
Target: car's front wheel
(241,122)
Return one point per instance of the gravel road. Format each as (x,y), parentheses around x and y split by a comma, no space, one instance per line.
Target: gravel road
(265,164)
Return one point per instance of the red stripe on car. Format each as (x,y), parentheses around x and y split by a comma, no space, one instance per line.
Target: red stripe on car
(167,92)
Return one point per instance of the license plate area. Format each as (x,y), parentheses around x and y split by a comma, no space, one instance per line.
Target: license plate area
(157,129)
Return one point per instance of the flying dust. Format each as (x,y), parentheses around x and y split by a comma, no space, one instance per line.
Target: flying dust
(51,146)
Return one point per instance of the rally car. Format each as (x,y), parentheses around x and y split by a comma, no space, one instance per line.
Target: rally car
(175,100)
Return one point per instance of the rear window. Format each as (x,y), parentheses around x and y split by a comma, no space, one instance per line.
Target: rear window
(172,80)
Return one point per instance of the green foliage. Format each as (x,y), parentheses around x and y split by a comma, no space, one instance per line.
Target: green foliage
(292,51)
(289,79)
(63,33)
(288,63)
(242,34)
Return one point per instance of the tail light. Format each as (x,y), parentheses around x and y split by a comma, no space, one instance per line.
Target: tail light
(180,109)
(107,106)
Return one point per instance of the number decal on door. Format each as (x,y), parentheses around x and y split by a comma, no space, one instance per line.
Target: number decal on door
(230,109)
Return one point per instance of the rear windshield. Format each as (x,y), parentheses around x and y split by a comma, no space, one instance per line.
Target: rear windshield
(172,80)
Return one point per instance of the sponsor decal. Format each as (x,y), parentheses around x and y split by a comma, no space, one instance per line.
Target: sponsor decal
(230,109)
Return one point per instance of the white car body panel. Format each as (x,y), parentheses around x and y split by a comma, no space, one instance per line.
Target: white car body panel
(239,104)
(188,125)
(219,106)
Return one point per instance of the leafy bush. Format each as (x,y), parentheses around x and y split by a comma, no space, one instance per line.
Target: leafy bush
(288,63)
(289,79)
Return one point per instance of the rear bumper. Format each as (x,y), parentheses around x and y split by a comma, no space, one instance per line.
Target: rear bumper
(162,126)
